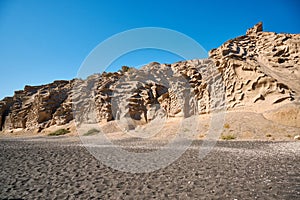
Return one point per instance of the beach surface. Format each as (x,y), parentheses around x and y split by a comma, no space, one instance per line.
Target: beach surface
(62,168)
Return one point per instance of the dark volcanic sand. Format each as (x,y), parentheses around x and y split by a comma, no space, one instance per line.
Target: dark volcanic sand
(60,169)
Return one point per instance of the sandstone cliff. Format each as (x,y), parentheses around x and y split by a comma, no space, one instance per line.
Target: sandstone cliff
(258,71)
(37,107)
(260,68)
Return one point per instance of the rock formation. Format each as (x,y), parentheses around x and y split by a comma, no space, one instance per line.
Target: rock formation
(37,107)
(258,71)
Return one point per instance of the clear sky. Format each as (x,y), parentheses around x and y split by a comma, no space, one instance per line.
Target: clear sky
(46,40)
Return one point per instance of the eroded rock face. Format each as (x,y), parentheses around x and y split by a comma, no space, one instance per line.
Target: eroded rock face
(254,30)
(36,107)
(92,97)
(257,71)
(5,106)
(260,69)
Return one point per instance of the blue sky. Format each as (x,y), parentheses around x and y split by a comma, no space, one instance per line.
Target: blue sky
(42,41)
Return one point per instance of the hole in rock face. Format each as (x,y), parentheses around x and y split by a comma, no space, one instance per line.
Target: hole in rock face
(281,60)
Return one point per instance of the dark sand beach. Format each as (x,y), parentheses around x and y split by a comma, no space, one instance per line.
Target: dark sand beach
(61,168)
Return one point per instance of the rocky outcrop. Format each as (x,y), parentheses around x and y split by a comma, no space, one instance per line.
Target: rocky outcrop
(258,72)
(37,107)
(5,106)
(94,94)
(259,69)
(255,29)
